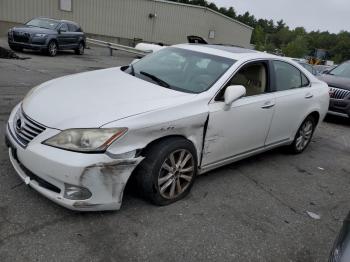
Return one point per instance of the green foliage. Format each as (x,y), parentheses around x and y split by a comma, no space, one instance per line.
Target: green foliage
(296,47)
(269,36)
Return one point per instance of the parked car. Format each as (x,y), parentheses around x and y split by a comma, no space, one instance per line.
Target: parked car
(323,69)
(309,68)
(47,35)
(176,113)
(341,248)
(338,79)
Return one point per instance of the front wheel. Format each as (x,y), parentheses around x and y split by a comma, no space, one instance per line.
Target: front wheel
(304,135)
(168,171)
(52,48)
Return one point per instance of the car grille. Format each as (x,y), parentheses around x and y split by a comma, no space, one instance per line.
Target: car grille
(21,37)
(338,93)
(26,129)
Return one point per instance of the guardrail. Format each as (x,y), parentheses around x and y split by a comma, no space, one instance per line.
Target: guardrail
(113,46)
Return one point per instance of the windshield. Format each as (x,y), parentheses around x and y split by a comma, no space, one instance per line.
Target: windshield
(43,23)
(342,70)
(181,69)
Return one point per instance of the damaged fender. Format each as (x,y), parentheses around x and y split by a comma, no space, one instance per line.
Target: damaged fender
(107,180)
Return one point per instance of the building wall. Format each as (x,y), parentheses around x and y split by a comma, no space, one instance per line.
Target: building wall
(129,19)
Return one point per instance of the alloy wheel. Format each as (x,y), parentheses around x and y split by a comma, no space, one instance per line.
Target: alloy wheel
(53,49)
(176,174)
(304,136)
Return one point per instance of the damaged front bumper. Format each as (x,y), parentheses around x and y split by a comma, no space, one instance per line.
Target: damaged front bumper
(59,175)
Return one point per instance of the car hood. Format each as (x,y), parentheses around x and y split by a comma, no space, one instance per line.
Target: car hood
(33,30)
(336,81)
(96,98)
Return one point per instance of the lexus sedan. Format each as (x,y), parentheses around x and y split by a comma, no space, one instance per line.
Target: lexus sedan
(47,35)
(174,114)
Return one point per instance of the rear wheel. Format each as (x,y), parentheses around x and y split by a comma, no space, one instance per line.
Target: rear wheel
(52,48)
(80,49)
(168,172)
(304,135)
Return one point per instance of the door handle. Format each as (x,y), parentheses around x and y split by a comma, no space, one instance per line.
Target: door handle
(268,104)
(309,95)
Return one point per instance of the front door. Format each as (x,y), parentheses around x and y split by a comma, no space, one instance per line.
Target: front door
(245,125)
(63,36)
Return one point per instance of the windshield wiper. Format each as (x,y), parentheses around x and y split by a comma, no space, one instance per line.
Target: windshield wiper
(156,79)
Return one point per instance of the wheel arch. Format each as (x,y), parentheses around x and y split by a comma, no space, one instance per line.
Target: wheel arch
(158,140)
(316,115)
(53,39)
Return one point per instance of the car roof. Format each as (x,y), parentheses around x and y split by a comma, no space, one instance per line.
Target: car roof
(59,21)
(232,52)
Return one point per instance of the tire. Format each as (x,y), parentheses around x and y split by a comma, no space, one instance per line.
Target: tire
(52,48)
(80,49)
(303,136)
(16,48)
(158,179)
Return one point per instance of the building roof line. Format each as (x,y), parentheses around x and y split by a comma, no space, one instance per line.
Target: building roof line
(204,8)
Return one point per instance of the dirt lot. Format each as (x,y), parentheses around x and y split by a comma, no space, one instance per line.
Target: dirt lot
(253,210)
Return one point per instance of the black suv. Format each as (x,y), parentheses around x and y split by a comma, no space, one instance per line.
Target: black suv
(338,79)
(47,35)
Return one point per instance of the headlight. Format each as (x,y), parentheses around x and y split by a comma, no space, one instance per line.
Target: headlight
(39,35)
(86,140)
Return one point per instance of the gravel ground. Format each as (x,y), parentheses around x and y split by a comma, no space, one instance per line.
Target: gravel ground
(253,210)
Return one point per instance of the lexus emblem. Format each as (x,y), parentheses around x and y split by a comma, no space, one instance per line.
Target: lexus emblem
(19,125)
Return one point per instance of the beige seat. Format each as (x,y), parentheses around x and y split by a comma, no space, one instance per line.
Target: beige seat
(253,78)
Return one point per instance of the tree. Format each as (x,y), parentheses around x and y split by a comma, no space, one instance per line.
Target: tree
(269,36)
(296,48)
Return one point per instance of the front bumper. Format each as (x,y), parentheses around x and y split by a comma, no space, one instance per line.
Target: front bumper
(34,43)
(48,170)
(339,107)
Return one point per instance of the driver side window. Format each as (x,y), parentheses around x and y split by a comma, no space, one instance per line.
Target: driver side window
(254,77)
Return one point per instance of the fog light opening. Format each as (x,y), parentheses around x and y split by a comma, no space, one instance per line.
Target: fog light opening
(76,192)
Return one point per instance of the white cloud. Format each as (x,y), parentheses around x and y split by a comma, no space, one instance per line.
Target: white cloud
(333,15)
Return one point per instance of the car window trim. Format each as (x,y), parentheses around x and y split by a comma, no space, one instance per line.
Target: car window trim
(62,25)
(270,79)
(274,90)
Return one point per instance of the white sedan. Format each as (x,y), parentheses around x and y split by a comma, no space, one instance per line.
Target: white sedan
(179,112)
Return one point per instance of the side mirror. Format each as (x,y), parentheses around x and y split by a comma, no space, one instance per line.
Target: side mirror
(232,93)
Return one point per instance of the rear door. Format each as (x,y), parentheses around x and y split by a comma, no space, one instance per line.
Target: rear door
(294,98)
(74,35)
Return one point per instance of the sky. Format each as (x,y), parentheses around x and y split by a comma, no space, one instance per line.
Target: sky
(323,15)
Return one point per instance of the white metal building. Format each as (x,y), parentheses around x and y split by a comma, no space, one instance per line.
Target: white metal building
(124,20)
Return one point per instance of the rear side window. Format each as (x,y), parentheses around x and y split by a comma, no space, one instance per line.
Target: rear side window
(72,28)
(288,76)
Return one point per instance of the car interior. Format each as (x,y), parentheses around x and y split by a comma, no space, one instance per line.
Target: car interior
(253,77)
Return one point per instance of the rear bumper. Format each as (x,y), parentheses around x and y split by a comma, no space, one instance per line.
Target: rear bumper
(339,107)
(49,170)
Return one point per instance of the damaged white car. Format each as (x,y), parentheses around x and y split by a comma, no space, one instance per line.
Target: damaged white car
(179,112)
